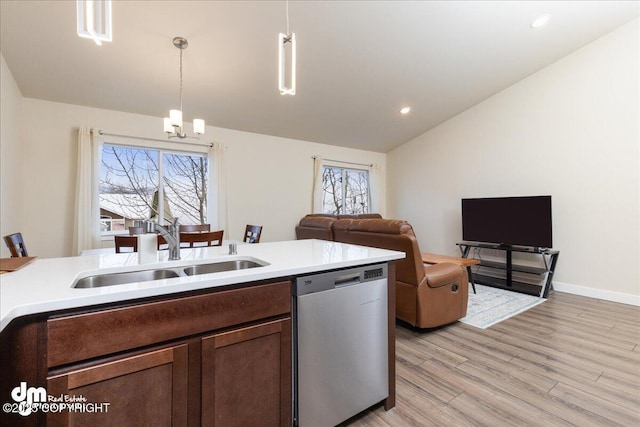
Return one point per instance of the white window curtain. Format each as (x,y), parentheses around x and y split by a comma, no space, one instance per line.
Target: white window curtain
(376,190)
(217,198)
(316,198)
(86,233)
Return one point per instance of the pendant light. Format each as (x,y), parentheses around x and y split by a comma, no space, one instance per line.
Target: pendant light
(94,20)
(287,43)
(173,123)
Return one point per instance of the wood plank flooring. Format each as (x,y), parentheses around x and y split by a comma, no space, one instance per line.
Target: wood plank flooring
(571,361)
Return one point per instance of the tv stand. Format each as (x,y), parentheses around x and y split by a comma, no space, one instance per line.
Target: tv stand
(549,258)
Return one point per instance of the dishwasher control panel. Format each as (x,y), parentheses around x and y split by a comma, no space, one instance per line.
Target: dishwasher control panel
(339,278)
(376,273)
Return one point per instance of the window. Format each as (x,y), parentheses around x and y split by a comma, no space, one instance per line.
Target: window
(345,191)
(133,180)
(109,224)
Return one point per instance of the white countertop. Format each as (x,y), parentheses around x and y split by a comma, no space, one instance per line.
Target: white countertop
(45,284)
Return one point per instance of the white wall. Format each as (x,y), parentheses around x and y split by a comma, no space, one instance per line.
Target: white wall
(269,178)
(571,130)
(10,157)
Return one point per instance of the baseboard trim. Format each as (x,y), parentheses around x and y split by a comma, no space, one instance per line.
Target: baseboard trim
(597,293)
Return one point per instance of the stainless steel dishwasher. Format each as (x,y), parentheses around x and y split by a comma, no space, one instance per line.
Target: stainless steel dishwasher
(340,350)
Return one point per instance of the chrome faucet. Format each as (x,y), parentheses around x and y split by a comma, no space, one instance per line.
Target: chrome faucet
(171,235)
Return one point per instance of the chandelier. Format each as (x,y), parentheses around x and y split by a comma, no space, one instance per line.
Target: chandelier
(173,123)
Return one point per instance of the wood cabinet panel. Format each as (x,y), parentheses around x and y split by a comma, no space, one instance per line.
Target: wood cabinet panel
(246,376)
(84,336)
(22,358)
(143,390)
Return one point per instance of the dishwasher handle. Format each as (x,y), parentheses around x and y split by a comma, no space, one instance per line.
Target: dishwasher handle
(347,280)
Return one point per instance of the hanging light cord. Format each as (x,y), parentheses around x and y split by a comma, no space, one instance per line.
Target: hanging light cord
(287,8)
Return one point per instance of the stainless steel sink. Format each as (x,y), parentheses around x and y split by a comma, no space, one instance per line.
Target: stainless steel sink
(111,279)
(217,267)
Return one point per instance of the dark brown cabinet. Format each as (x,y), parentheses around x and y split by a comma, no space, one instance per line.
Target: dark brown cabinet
(142,390)
(203,359)
(246,376)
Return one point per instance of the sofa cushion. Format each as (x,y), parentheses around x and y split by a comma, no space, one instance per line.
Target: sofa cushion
(319,226)
(320,215)
(360,216)
(315,227)
(317,221)
(386,226)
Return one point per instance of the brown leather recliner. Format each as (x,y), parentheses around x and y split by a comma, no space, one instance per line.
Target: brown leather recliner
(425,297)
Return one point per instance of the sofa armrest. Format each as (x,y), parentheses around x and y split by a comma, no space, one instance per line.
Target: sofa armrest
(443,274)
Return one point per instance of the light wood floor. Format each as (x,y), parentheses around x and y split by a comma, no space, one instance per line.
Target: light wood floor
(569,361)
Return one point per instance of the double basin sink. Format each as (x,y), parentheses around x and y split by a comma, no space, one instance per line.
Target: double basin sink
(112,279)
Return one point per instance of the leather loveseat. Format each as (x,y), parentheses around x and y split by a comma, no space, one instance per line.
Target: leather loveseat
(319,226)
(426,297)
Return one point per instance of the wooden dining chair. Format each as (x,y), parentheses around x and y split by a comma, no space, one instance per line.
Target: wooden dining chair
(16,245)
(252,233)
(162,243)
(194,240)
(194,228)
(126,242)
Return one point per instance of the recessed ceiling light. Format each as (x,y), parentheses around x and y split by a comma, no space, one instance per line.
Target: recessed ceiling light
(540,21)
(405,110)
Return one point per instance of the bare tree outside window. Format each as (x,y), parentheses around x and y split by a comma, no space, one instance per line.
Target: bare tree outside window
(345,191)
(185,182)
(130,186)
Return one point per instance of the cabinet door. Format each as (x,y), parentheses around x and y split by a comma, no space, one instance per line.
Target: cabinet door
(148,389)
(246,376)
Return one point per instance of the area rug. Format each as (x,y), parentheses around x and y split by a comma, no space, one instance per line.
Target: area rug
(492,305)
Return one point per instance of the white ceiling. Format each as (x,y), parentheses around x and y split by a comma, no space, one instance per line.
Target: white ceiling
(359,62)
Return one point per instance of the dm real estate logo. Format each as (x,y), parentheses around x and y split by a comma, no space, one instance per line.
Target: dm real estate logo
(27,400)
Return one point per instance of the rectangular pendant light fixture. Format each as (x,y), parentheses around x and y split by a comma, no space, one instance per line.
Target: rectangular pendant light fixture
(94,20)
(287,53)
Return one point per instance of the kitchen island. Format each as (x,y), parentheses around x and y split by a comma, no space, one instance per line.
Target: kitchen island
(184,350)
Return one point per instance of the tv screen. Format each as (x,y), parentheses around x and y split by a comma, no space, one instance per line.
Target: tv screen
(515,221)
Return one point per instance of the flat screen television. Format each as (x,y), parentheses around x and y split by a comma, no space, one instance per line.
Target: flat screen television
(508,221)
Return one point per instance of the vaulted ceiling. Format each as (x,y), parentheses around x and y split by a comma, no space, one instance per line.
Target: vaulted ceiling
(359,62)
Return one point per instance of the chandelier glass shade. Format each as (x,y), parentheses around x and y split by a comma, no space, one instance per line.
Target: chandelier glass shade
(287,72)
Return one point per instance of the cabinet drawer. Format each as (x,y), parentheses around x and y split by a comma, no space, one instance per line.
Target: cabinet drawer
(84,336)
